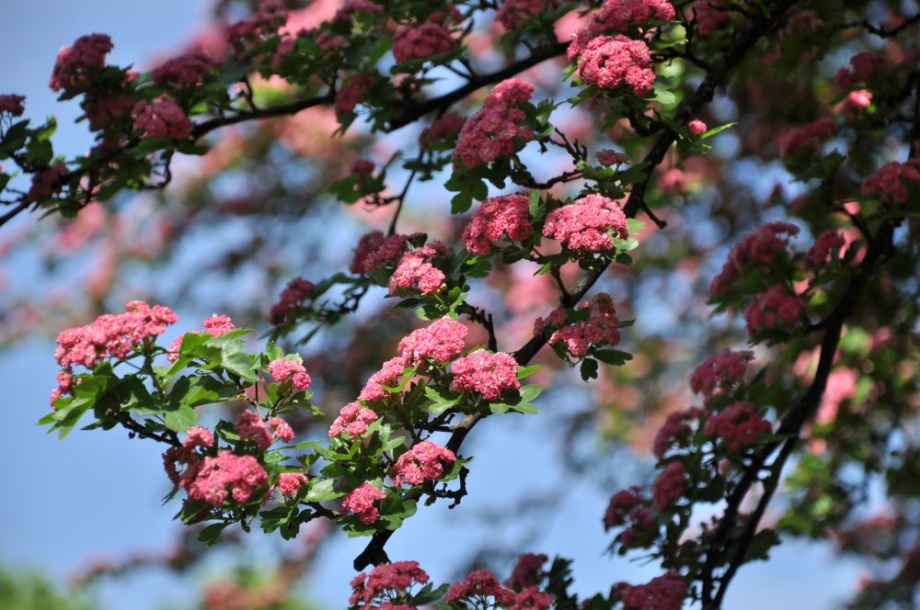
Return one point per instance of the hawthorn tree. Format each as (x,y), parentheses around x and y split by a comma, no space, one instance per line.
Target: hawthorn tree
(559,193)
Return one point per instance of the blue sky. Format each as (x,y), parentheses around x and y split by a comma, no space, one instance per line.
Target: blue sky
(98,494)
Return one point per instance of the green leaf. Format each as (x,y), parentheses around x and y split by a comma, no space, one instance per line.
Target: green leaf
(181,419)
(612,357)
(588,369)
(527,371)
(211,533)
(322,491)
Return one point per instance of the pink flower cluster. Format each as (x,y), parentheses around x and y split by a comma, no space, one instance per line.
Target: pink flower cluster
(827,248)
(709,14)
(513,13)
(481,584)
(669,485)
(292,297)
(248,33)
(506,215)
(586,225)
(254,429)
(75,66)
(374,251)
(630,507)
(491,132)
(862,65)
(444,127)
(774,308)
(487,373)
(738,426)
(353,420)
(891,180)
(601,327)
(103,109)
(350,7)
(620,16)
(290,482)
(352,92)
(162,118)
(527,572)
(810,134)
(617,62)
(421,41)
(424,462)
(46,182)
(675,431)
(12,104)
(112,335)
(662,593)
(242,474)
(361,502)
(187,70)
(385,584)
(187,456)
(609,157)
(290,371)
(416,270)
(758,249)
(440,341)
(390,374)
(720,374)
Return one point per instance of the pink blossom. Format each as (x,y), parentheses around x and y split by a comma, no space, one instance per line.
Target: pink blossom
(292,297)
(282,429)
(772,309)
(506,215)
(12,104)
(187,70)
(480,584)
(421,41)
(697,128)
(385,582)
(352,92)
(112,335)
(676,430)
(527,572)
(709,14)
(416,270)
(374,251)
(810,134)
(102,109)
(620,506)
(614,62)
(862,67)
(720,374)
(841,385)
(218,325)
(601,327)
(441,130)
(487,373)
(858,100)
(669,485)
(440,341)
(46,182)
(77,65)
(826,248)
(361,502)
(424,462)
(241,473)
(491,132)
(162,118)
(892,180)
(759,249)
(350,7)
(586,225)
(290,482)
(284,371)
(663,593)
(253,428)
(361,168)
(513,13)
(620,16)
(532,599)
(353,420)
(608,157)
(738,426)
(389,375)
(248,33)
